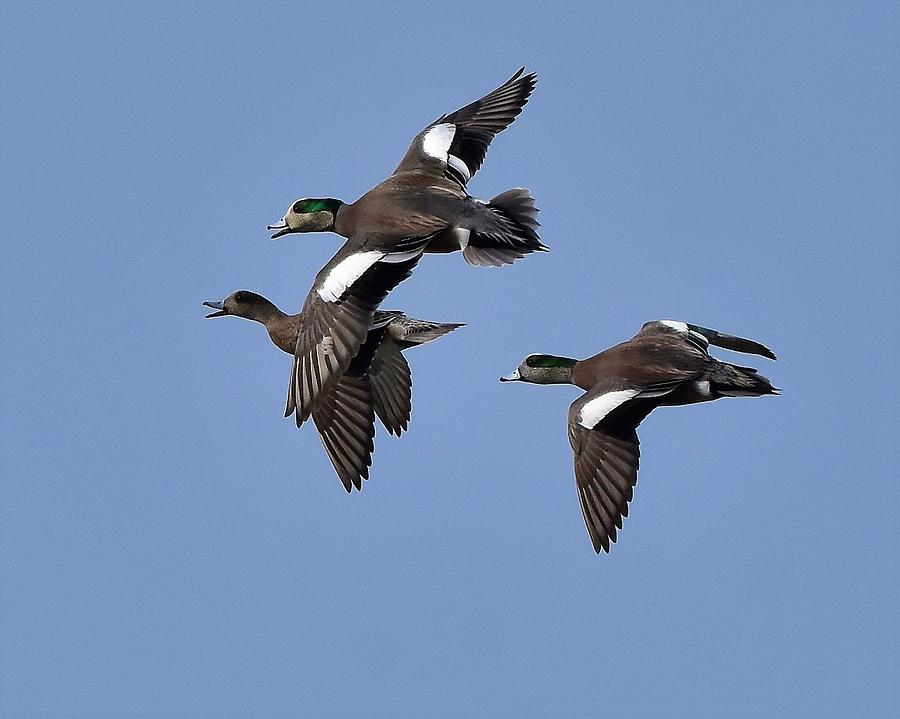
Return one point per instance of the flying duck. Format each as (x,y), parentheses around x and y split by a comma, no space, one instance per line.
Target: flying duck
(376,382)
(423,206)
(666,363)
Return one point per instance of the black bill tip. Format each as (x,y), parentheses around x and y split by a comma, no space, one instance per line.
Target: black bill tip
(220,306)
(281,229)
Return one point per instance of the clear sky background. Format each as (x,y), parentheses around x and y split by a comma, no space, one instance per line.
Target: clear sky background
(172,547)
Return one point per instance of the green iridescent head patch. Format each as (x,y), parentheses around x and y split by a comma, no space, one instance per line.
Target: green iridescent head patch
(310,205)
(548,361)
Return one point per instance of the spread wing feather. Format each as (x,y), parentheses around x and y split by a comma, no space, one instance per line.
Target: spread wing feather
(606,458)
(332,333)
(455,144)
(391,387)
(346,423)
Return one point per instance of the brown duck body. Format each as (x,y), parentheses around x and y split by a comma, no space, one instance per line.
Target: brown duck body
(666,363)
(413,203)
(397,327)
(648,360)
(377,381)
(407,204)
(423,207)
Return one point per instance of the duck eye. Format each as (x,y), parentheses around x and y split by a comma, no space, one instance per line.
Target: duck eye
(297,207)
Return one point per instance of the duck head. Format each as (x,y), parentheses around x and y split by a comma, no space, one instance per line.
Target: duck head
(307,215)
(242,303)
(543,369)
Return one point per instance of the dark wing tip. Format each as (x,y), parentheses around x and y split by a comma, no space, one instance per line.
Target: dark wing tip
(738,344)
(733,342)
(606,465)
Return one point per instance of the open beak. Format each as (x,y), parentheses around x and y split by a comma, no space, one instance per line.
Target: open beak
(281,229)
(514,377)
(220,306)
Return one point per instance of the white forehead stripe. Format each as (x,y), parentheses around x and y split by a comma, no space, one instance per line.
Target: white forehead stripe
(675,325)
(345,273)
(594,411)
(436,142)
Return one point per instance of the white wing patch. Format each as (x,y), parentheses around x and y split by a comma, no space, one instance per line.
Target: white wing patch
(436,142)
(593,412)
(675,325)
(345,273)
(683,328)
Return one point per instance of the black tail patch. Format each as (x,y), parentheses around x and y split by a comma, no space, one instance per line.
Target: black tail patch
(730,380)
(513,234)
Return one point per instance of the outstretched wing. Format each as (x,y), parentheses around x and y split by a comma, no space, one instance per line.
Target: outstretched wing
(346,423)
(605,475)
(391,386)
(455,145)
(606,453)
(338,313)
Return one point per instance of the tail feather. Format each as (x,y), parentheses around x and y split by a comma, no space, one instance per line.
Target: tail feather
(729,380)
(512,233)
(435,329)
(410,331)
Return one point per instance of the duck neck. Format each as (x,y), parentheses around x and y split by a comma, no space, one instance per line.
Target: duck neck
(282,328)
(343,218)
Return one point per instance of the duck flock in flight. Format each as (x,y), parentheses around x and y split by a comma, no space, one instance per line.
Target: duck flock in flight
(348,361)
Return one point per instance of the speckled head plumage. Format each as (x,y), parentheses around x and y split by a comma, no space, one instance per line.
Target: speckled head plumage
(308,214)
(543,369)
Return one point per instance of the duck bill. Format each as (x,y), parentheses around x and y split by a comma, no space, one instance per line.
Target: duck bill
(220,306)
(514,377)
(281,229)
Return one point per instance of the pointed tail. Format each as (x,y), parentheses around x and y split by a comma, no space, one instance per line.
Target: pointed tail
(511,235)
(731,380)
(431,331)
(409,331)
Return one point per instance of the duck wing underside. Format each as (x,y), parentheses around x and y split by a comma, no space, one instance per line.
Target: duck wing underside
(337,316)
(606,468)
(345,420)
(391,386)
(606,452)
(455,144)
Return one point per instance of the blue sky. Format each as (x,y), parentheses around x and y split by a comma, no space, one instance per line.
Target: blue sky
(169,546)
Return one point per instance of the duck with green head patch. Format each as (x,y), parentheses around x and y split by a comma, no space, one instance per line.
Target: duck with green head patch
(427,193)
(424,206)
(666,363)
(377,381)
